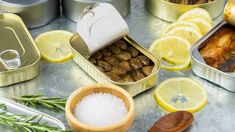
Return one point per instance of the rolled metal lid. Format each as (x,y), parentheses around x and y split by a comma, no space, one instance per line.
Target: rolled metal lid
(101,25)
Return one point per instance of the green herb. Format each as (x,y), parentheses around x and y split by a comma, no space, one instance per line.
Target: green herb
(22,123)
(53,104)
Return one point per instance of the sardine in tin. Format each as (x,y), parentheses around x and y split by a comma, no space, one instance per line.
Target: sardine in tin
(19,56)
(99,26)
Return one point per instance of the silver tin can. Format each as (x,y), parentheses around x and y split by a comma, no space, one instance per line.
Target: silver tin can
(96,30)
(19,56)
(73,8)
(201,69)
(35,13)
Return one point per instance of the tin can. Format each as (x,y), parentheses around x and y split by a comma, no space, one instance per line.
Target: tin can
(99,32)
(170,11)
(32,11)
(19,56)
(201,69)
(73,8)
(18,109)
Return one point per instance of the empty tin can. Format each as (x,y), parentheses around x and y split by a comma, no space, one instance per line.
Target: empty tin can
(99,32)
(170,11)
(35,13)
(73,8)
(19,56)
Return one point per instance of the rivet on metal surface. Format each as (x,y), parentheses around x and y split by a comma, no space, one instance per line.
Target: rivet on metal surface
(10,59)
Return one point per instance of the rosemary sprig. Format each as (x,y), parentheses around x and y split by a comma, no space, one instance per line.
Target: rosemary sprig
(22,123)
(53,104)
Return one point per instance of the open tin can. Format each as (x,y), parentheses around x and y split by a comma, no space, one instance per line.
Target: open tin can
(96,30)
(200,65)
(73,8)
(171,11)
(19,56)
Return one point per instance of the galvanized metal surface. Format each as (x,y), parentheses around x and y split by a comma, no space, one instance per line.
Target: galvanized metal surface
(62,79)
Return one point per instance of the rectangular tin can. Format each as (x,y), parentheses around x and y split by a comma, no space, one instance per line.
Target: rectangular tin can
(15,108)
(200,68)
(15,36)
(133,88)
(170,11)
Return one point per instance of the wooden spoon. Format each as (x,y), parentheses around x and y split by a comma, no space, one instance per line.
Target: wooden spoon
(173,122)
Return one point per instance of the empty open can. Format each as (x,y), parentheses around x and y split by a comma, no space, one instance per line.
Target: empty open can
(19,56)
(35,13)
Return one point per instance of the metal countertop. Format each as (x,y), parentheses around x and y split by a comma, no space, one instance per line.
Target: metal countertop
(60,80)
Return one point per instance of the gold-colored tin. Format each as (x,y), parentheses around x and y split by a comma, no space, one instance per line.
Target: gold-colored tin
(229,12)
(170,11)
(133,88)
(16,37)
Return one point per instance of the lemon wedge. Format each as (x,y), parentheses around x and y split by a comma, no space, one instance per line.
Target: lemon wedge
(196,13)
(180,24)
(173,49)
(54,45)
(187,33)
(204,25)
(181,94)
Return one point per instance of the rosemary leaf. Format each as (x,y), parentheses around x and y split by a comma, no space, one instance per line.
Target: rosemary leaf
(36,101)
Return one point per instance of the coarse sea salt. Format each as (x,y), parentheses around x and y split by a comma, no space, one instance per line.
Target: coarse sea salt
(100,109)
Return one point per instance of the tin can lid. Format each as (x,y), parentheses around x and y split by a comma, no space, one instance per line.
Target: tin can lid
(100,25)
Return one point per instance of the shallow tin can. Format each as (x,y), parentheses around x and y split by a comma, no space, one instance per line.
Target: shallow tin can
(170,11)
(18,109)
(35,13)
(133,88)
(200,68)
(16,37)
(73,8)
(96,30)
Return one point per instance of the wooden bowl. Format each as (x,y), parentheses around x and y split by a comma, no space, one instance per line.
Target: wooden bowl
(76,96)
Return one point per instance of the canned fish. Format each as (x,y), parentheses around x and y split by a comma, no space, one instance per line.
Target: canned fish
(19,56)
(113,56)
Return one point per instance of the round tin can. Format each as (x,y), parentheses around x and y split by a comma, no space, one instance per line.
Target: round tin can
(35,13)
(229,12)
(73,8)
(170,11)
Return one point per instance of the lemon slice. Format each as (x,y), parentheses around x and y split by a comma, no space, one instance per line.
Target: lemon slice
(187,33)
(54,45)
(173,67)
(196,13)
(180,24)
(204,25)
(173,49)
(181,94)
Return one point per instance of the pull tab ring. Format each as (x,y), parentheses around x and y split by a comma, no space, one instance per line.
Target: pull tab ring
(88,10)
(12,63)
